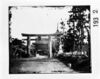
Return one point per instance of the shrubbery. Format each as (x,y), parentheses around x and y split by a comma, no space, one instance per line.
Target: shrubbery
(17,49)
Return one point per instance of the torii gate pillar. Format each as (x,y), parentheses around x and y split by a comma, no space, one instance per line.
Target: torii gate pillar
(50,46)
(28,45)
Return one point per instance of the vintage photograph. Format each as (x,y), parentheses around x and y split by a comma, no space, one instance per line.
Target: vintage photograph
(49,39)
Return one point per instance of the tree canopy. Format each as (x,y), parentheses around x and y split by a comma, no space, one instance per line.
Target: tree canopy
(78,33)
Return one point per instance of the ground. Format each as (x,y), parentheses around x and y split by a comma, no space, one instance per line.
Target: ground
(39,65)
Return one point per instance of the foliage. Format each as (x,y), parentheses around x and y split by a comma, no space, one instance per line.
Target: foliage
(78,33)
(17,48)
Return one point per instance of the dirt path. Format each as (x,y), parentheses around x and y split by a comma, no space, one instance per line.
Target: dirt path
(39,66)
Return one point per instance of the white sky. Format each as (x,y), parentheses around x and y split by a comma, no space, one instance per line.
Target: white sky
(39,20)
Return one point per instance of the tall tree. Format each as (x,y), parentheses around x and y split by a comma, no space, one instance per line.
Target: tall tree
(79,28)
(79,23)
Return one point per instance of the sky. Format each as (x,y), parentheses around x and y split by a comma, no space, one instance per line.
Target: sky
(37,20)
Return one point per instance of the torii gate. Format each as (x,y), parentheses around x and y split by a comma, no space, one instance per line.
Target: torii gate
(50,40)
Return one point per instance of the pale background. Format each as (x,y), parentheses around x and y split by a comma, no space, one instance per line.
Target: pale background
(4,60)
(40,20)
